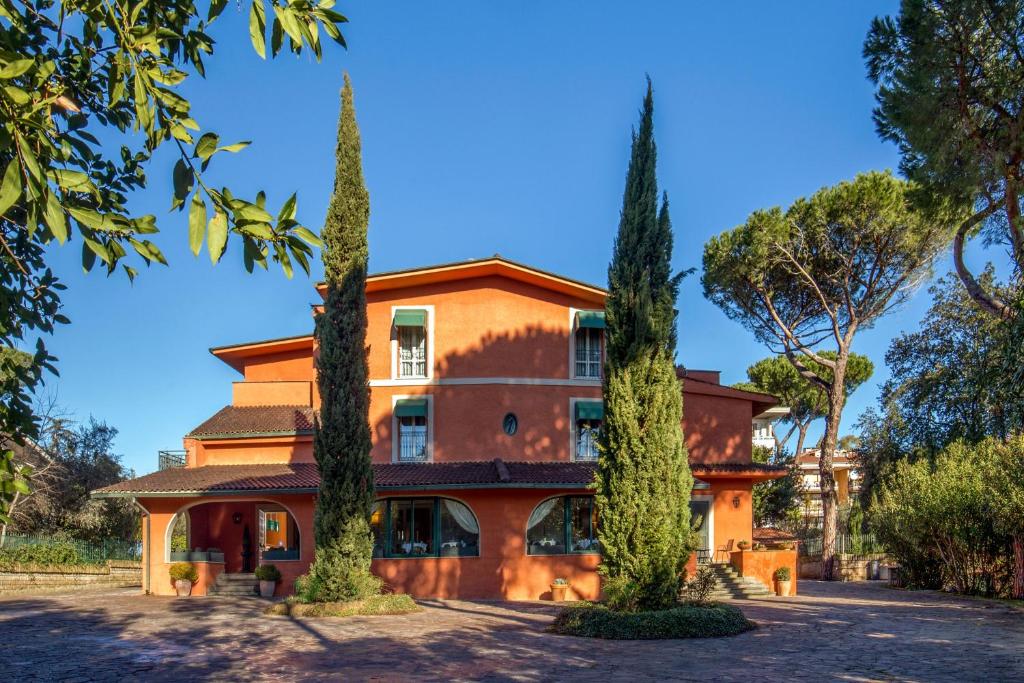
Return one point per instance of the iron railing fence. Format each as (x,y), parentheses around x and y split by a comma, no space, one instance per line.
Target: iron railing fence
(85,552)
(865,544)
(167,460)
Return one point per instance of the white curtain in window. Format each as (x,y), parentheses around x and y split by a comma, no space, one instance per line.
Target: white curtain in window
(542,511)
(462,515)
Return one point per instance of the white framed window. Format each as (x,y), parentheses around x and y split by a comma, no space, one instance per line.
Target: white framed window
(586,347)
(412,352)
(587,415)
(412,341)
(412,427)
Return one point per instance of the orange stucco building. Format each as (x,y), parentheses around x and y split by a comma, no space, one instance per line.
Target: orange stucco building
(485,400)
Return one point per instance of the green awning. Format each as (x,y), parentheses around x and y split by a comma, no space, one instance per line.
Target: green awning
(594,319)
(410,317)
(589,410)
(411,407)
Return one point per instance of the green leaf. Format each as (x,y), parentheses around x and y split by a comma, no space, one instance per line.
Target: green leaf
(288,21)
(183,182)
(17,94)
(21,486)
(308,236)
(75,181)
(207,145)
(54,217)
(258,28)
(237,147)
(16,68)
(288,210)
(217,235)
(88,257)
(251,212)
(216,7)
(10,189)
(196,223)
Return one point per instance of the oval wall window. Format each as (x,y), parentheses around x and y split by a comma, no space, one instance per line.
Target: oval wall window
(510,424)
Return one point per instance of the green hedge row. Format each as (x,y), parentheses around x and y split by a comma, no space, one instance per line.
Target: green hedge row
(593,620)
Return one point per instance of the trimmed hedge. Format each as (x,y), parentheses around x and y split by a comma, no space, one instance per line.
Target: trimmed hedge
(592,620)
(375,605)
(57,552)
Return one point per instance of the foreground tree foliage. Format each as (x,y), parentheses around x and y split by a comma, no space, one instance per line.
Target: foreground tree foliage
(341,443)
(644,480)
(806,401)
(950,521)
(816,274)
(89,91)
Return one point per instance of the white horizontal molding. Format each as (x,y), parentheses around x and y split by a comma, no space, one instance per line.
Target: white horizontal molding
(463,381)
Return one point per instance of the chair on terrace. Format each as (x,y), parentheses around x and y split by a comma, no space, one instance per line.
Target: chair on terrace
(725,550)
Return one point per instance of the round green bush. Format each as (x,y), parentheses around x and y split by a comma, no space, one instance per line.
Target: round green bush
(184,571)
(782,574)
(268,572)
(591,620)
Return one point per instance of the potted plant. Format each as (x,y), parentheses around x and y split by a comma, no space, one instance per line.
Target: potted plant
(783,582)
(268,575)
(558,588)
(743,545)
(183,574)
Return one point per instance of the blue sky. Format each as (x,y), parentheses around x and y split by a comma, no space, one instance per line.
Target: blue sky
(487,128)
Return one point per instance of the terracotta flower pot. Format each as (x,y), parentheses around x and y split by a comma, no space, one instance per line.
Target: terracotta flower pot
(184,588)
(267,589)
(782,588)
(558,591)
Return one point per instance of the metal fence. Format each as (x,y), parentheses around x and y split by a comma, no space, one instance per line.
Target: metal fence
(865,544)
(170,459)
(88,552)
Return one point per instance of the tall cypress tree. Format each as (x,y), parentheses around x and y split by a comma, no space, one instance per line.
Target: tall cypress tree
(644,479)
(341,442)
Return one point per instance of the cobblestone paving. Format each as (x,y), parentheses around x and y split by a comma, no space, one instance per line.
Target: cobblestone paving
(849,632)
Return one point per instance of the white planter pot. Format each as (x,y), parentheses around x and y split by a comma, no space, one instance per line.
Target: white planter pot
(184,588)
(267,589)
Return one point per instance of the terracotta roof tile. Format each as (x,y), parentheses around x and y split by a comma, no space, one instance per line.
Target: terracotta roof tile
(730,467)
(766,535)
(304,476)
(239,421)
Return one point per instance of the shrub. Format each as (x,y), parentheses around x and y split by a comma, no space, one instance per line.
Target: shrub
(268,572)
(560,582)
(375,605)
(936,521)
(699,588)
(183,571)
(592,620)
(783,574)
(50,553)
(622,594)
(336,577)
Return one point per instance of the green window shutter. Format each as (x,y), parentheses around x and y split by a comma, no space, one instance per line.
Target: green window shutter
(411,407)
(592,319)
(589,410)
(410,317)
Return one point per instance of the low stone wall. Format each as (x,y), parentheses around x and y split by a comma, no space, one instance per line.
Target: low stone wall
(34,578)
(848,567)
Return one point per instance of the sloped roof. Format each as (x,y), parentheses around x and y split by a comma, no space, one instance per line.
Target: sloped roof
(249,421)
(304,477)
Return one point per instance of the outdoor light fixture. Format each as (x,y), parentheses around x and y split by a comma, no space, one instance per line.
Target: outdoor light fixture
(237,518)
(736,501)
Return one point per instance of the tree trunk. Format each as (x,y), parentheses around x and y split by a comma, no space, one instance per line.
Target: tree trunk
(1017,589)
(801,435)
(826,476)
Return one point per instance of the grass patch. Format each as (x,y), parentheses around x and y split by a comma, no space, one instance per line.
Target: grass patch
(377,605)
(593,620)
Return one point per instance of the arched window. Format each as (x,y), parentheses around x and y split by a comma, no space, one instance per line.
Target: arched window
(563,525)
(424,527)
(179,537)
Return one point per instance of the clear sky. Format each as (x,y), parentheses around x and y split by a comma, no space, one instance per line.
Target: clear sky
(487,128)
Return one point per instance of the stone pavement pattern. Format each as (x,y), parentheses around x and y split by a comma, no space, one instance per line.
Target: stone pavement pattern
(850,632)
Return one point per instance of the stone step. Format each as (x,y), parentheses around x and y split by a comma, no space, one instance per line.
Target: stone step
(238,576)
(232,590)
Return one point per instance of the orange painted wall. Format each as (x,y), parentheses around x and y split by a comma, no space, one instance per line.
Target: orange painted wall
(730,522)
(288,366)
(761,565)
(275,393)
(249,451)
(503,570)
(484,327)
(214,527)
(717,428)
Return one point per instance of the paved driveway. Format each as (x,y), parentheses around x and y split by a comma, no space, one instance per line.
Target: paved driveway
(849,632)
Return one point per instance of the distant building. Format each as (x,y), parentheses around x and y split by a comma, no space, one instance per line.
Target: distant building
(844,465)
(764,426)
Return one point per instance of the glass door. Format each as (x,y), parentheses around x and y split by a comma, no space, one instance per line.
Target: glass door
(700,522)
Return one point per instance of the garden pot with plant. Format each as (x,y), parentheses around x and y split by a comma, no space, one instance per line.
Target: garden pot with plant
(783,582)
(558,588)
(743,545)
(183,574)
(268,575)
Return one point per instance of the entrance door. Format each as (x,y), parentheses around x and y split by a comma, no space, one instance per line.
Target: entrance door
(700,521)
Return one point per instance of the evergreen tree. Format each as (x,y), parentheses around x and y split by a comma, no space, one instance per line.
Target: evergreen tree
(341,444)
(644,479)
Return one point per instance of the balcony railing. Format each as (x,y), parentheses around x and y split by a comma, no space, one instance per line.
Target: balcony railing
(412,446)
(167,460)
